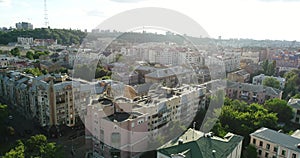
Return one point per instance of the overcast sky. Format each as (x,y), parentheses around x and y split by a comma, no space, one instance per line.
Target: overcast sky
(258,19)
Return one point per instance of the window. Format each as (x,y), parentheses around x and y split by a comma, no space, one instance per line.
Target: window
(259,152)
(297,119)
(275,149)
(283,152)
(294,155)
(254,141)
(298,112)
(268,146)
(266,154)
(261,143)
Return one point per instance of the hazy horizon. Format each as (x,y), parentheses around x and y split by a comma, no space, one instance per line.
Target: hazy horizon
(242,19)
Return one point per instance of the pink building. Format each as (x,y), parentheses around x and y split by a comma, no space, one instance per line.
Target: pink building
(113,131)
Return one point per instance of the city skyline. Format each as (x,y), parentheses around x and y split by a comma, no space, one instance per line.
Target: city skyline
(256,19)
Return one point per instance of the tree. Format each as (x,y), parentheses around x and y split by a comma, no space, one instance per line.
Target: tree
(297,96)
(251,151)
(284,112)
(271,82)
(29,55)
(292,83)
(17,152)
(36,146)
(269,68)
(15,52)
(33,71)
(243,119)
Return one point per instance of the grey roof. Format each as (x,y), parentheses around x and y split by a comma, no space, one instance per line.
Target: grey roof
(178,70)
(241,72)
(277,138)
(253,88)
(142,88)
(294,103)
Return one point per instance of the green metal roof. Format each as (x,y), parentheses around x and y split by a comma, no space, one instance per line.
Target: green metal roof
(204,146)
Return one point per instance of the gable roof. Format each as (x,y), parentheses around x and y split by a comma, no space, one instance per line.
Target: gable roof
(204,147)
(277,138)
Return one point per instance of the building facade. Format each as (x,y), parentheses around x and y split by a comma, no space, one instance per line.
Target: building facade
(49,99)
(120,111)
(259,79)
(274,144)
(251,93)
(241,76)
(295,104)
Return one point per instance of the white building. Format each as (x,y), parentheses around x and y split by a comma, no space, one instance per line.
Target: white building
(274,144)
(259,79)
(295,104)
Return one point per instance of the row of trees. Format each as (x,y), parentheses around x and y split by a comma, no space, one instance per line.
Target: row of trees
(36,146)
(63,36)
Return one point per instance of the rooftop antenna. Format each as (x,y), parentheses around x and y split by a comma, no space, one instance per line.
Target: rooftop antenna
(46,14)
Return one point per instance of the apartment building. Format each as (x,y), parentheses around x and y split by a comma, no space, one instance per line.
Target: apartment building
(295,104)
(259,79)
(170,76)
(274,144)
(230,60)
(120,113)
(49,99)
(251,93)
(286,59)
(196,144)
(241,76)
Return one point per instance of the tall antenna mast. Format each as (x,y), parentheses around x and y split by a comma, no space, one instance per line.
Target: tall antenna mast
(46,14)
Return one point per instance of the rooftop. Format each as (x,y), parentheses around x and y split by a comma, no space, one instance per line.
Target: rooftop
(254,88)
(294,103)
(205,147)
(122,116)
(172,71)
(275,137)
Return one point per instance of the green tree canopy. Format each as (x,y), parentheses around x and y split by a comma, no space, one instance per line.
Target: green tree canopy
(29,55)
(284,112)
(33,71)
(15,52)
(36,146)
(292,83)
(297,96)
(243,119)
(269,68)
(271,82)
(17,152)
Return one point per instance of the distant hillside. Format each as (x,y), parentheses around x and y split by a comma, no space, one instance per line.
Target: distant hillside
(63,36)
(134,37)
